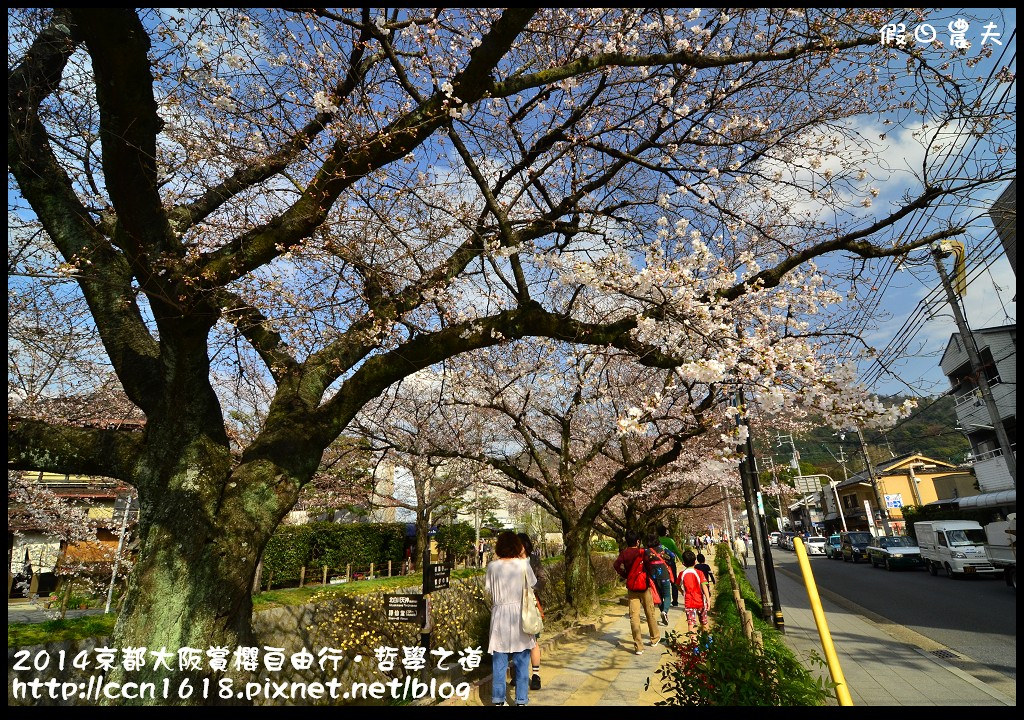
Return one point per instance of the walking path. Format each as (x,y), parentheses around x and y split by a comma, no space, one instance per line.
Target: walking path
(884,664)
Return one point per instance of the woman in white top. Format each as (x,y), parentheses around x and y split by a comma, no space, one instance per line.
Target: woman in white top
(505,580)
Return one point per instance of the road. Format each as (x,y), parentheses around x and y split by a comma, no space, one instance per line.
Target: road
(974,617)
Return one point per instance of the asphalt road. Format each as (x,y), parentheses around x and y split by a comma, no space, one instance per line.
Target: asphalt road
(975,617)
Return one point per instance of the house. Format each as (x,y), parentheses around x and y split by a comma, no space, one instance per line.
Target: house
(997,347)
(911,479)
(35,551)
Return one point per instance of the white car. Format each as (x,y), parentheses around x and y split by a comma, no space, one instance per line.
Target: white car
(816,545)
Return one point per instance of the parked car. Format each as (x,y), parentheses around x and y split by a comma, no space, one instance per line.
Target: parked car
(894,552)
(816,545)
(833,550)
(854,545)
(786,541)
(773,538)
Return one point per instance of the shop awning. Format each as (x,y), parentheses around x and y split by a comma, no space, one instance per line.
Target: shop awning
(993,499)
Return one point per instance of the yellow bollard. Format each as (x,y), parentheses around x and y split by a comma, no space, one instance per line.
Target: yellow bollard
(842,690)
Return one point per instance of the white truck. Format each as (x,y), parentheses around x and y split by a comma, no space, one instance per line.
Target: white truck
(1002,547)
(957,547)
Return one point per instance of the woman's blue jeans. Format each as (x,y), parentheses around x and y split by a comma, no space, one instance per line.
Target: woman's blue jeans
(520,674)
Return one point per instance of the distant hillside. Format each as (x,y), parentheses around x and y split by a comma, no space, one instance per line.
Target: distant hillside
(929,431)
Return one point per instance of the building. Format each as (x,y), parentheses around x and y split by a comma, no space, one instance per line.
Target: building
(34,552)
(804,508)
(911,479)
(1004,218)
(997,347)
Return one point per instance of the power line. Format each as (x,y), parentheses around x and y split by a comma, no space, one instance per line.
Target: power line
(919,315)
(865,314)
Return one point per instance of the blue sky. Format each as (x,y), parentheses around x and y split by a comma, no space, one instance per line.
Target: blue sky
(909,322)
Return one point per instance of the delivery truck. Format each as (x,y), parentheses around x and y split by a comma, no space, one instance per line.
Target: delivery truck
(955,547)
(1001,547)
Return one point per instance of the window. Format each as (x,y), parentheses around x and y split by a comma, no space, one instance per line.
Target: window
(942,539)
(850,502)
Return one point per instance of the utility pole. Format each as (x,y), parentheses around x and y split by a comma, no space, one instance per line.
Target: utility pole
(770,603)
(794,463)
(882,509)
(977,369)
(841,460)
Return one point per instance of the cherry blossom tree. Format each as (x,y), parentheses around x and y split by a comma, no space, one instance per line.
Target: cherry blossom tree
(412,426)
(321,203)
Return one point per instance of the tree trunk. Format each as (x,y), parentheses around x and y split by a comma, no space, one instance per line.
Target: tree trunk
(191,588)
(422,538)
(580,583)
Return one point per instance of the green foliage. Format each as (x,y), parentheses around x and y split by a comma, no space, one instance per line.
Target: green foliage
(604,545)
(21,634)
(456,540)
(920,513)
(928,430)
(723,668)
(314,545)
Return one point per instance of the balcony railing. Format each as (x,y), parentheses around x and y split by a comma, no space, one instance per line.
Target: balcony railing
(974,393)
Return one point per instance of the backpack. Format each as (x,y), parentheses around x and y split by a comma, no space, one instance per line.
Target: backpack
(659,569)
(636,580)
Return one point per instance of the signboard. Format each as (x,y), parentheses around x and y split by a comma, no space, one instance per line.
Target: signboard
(436,577)
(404,608)
(760,504)
(871,515)
(806,484)
(894,501)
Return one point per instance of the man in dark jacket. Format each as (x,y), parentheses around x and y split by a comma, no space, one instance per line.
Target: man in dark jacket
(632,554)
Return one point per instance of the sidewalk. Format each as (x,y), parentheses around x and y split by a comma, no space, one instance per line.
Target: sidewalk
(880,669)
(599,667)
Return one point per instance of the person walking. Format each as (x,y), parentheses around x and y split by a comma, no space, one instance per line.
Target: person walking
(631,567)
(661,573)
(696,595)
(505,580)
(670,544)
(740,548)
(534,559)
(705,568)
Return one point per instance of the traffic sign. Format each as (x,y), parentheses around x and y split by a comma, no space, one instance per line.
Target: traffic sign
(806,484)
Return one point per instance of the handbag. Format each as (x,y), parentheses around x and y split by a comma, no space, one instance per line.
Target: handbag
(532,623)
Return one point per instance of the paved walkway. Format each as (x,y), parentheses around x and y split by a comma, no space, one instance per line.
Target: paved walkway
(884,664)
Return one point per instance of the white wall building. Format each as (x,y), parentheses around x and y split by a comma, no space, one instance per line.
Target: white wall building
(998,349)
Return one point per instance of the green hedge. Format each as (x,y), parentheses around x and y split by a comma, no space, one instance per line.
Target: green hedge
(314,545)
(722,668)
